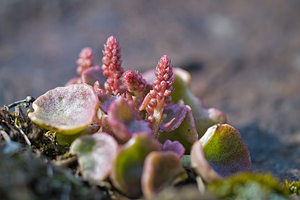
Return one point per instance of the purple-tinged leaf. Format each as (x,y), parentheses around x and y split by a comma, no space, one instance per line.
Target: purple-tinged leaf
(204,118)
(75,80)
(122,110)
(93,74)
(222,151)
(201,165)
(225,150)
(128,166)
(96,154)
(149,76)
(122,118)
(105,101)
(161,169)
(186,133)
(174,146)
(66,110)
(90,130)
(103,122)
(175,114)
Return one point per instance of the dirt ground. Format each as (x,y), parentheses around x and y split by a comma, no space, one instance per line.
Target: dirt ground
(244,57)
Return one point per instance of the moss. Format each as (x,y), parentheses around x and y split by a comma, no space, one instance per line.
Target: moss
(293,187)
(249,186)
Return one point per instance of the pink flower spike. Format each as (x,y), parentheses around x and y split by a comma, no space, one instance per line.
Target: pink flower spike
(112,66)
(160,95)
(135,84)
(85,60)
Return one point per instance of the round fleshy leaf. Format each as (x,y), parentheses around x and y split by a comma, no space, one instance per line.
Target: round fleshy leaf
(105,101)
(149,76)
(93,74)
(174,146)
(204,118)
(175,114)
(186,133)
(223,150)
(201,165)
(96,154)
(66,110)
(161,169)
(122,110)
(128,165)
(122,120)
(208,118)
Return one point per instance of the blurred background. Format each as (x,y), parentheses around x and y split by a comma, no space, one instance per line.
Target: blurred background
(244,56)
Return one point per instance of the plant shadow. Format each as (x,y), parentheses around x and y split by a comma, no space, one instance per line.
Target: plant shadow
(270,154)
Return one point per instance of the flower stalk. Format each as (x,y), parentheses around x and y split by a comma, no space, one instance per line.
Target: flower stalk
(160,95)
(112,66)
(85,60)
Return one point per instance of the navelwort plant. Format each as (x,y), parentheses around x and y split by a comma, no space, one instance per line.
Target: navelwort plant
(134,128)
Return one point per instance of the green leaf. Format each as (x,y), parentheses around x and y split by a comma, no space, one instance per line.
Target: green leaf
(128,165)
(219,153)
(186,133)
(67,140)
(161,169)
(122,118)
(204,118)
(96,154)
(93,74)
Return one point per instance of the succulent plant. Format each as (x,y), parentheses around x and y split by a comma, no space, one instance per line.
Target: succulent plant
(134,129)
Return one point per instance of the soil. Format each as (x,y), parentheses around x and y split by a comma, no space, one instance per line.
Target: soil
(244,57)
